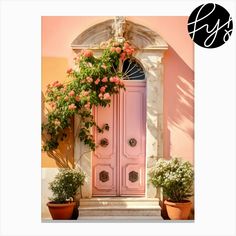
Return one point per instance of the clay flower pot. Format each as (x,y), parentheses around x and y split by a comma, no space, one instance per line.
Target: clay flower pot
(61,211)
(178,210)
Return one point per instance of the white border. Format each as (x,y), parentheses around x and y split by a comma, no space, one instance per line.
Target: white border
(21,112)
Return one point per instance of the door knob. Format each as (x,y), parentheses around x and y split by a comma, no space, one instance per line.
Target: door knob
(132,142)
(106,127)
(104,142)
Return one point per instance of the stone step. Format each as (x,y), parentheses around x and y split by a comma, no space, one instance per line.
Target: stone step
(121,201)
(114,218)
(119,208)
(91,211)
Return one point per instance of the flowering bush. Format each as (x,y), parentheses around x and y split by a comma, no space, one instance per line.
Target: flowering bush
(175,177)
(65,185)
(92,83)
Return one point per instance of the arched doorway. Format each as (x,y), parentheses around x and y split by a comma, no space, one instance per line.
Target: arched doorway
(151,48)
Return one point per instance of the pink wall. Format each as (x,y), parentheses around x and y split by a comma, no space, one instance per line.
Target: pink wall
(59,32)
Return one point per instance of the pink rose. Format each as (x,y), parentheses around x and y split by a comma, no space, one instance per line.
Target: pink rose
(102,89)
(89,79)
(126,45)
(100,95)
(121,83)
(128,51)
(53,104)
(104,80)
(97,81)
(64,88)
(87,105)
(77,98)
(107,96)
(104,66)
(86,93)
(58,85)
(116,79)
(66,98)
(113,49)
(71,93)
(69,71)
(122,56)
(118,50)
(112,79)
(55,83)
(72,106)
(87,53)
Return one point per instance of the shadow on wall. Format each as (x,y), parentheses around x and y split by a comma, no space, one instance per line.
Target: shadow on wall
(178,99)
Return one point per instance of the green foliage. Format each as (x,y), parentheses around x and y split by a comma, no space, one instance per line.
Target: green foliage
(66,184)
(175,177)
(93,81)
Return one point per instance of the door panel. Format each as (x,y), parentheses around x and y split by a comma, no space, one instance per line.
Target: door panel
(132,138)
(105,157)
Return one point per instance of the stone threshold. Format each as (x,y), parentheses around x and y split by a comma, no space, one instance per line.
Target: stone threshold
(112,218)
(119,208)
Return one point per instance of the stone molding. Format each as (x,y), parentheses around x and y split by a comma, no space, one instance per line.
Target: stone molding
(138,35)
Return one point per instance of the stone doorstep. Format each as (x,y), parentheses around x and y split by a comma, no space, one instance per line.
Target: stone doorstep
(122,201)
(119,212)
(112,218)
(119,208)
(108,207)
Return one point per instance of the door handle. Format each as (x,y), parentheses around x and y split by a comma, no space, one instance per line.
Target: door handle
(104,142)
(132,142)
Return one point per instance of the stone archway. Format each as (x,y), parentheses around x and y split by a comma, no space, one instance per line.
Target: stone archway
(151,48)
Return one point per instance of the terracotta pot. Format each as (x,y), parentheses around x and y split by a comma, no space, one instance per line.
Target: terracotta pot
(178,210)
(61,211)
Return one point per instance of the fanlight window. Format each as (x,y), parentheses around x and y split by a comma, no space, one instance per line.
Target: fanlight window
(132,70)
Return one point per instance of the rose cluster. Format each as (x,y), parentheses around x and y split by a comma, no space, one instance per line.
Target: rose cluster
(93,81)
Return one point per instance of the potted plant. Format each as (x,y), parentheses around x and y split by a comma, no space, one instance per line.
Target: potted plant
(176,178)
(64,188)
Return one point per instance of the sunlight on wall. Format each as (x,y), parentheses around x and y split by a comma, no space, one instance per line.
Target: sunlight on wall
(57,35)
(55,69)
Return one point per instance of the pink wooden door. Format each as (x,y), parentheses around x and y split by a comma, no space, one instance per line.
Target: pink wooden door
(119,165)
(132,138)
(104,170)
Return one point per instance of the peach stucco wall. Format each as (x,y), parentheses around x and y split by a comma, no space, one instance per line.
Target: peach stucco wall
(59,32)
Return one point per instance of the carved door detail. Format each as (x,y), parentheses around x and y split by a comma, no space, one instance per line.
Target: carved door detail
(119,166)
(104,170)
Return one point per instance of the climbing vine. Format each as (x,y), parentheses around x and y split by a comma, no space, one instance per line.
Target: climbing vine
(92,82)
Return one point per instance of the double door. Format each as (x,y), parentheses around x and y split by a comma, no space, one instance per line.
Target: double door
(119,164)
